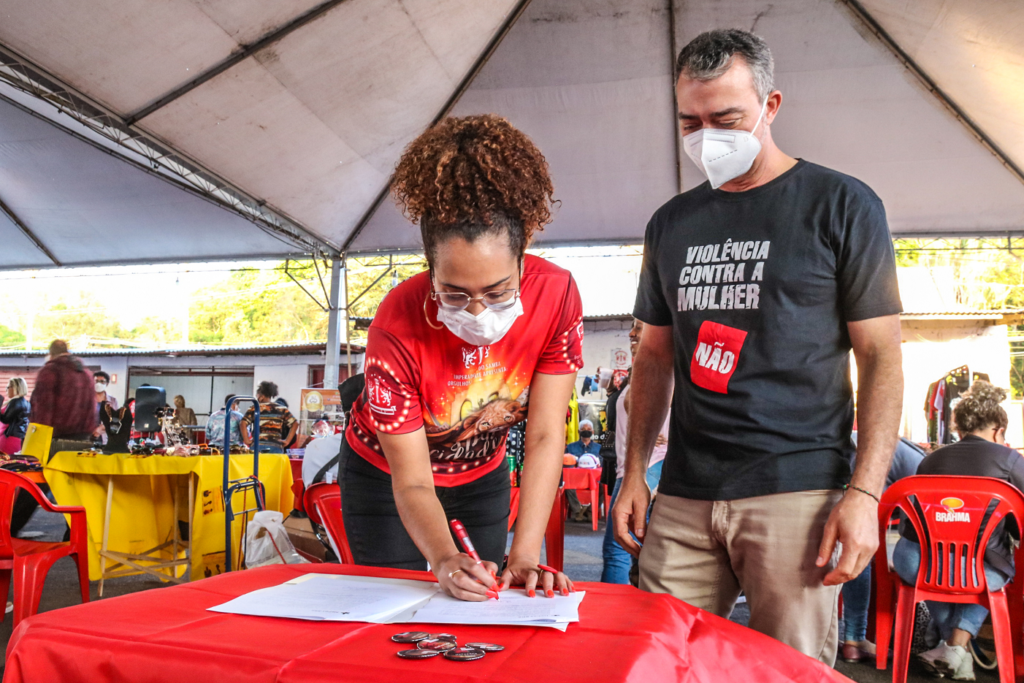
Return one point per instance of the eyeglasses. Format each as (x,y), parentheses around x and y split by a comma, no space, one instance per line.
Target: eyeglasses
(499,300)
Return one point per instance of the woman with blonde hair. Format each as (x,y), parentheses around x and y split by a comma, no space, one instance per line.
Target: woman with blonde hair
(981,452)
(14,416)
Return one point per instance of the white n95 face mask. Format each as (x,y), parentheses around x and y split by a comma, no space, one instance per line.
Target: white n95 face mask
(479,330)
(724,155)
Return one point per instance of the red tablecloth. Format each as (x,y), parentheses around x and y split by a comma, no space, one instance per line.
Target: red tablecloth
(586,482)
(166,635)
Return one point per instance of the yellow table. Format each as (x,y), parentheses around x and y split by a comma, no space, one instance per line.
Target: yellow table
(133,505)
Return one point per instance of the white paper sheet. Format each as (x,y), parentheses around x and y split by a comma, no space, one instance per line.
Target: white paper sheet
(514,607)
(330,597)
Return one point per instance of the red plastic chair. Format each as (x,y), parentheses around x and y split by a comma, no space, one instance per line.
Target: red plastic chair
(950,517)
(323,505)
(30,561)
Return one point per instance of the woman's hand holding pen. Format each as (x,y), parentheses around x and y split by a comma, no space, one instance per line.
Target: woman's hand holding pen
(464,578)
(534,577)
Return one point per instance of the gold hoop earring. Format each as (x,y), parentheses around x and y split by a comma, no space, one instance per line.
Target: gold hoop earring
(427,316)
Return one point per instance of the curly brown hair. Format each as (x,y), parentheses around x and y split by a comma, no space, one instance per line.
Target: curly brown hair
(474,175)
(979,408)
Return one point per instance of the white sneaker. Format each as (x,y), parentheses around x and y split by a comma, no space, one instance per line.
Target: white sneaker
(946,660)
(965,672)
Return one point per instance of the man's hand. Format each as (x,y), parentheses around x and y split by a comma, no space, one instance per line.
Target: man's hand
(630,514)
(854,523)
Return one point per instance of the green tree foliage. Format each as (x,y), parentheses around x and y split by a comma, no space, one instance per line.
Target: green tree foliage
(9,337)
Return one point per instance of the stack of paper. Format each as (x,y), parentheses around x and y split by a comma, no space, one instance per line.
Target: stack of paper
(331,597)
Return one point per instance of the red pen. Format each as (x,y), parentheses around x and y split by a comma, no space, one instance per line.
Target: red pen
(459,529)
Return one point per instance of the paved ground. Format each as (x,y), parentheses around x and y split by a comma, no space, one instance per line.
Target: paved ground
(582,562)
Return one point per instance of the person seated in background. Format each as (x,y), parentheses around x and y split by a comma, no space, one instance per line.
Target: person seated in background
(320,461)
(14,416)
(857,592)
(182,414)
(981,423)
(215,425)
(586,445)
(277,426)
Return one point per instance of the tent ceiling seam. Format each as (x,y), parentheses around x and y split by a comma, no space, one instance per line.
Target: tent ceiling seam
(453,99)
(959,114)
(677,133)
(6,210)
(22,74)
(232,60)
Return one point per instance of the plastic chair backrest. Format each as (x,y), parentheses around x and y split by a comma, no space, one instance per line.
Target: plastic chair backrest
(323,505)
(954,517)
(37,442)
(10,484)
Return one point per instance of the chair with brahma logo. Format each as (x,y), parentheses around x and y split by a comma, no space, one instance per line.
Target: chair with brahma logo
(954,517)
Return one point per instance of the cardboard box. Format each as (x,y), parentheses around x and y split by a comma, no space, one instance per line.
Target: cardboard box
(300,531)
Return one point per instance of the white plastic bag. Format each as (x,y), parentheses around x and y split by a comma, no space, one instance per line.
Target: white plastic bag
(267,542)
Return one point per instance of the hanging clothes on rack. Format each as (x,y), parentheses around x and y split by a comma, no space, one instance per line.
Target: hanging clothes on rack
(942,398)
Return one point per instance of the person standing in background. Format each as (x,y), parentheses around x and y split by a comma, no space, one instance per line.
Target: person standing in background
(100,382)
(14,416)
(65,398)
(617,561)
(215,425)
(857,592)
(277,426)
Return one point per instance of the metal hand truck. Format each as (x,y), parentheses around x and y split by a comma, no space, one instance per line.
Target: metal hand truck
(245,484)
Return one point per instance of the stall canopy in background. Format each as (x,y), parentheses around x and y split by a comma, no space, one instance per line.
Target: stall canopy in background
(276,124)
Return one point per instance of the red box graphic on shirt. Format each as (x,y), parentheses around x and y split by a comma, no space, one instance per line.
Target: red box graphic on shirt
(716,356)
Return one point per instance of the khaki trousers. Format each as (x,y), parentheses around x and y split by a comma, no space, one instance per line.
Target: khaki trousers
(706,552)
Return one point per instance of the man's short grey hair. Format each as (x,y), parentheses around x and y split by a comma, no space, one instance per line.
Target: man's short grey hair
(710,55)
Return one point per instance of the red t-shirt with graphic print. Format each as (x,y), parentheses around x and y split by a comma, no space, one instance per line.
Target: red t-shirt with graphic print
(466,397)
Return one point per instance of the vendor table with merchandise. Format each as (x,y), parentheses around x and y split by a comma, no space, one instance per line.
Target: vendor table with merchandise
(168,636)
(160,514)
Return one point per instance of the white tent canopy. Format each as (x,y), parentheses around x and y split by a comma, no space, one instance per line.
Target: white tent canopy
(206,129)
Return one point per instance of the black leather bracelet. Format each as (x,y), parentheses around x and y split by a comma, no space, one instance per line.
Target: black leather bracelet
(857,488)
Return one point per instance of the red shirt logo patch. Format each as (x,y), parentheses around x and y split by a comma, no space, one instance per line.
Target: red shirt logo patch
(718,352)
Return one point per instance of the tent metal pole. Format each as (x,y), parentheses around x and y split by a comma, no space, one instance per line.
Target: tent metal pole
(332,362)
(6,210)
(931,86)
(464,84)
(348,338)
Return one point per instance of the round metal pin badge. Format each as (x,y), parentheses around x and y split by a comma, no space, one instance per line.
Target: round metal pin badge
(418,654)
(436,644)
(410,636)
(463,654)
(486,647)
(444,636)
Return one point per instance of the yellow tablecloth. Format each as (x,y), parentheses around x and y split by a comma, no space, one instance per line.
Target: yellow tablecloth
(142,510)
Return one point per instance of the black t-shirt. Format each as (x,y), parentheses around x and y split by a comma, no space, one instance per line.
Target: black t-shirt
(758,287)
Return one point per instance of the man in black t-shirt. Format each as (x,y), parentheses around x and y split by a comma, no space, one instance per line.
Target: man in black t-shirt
(755,287)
